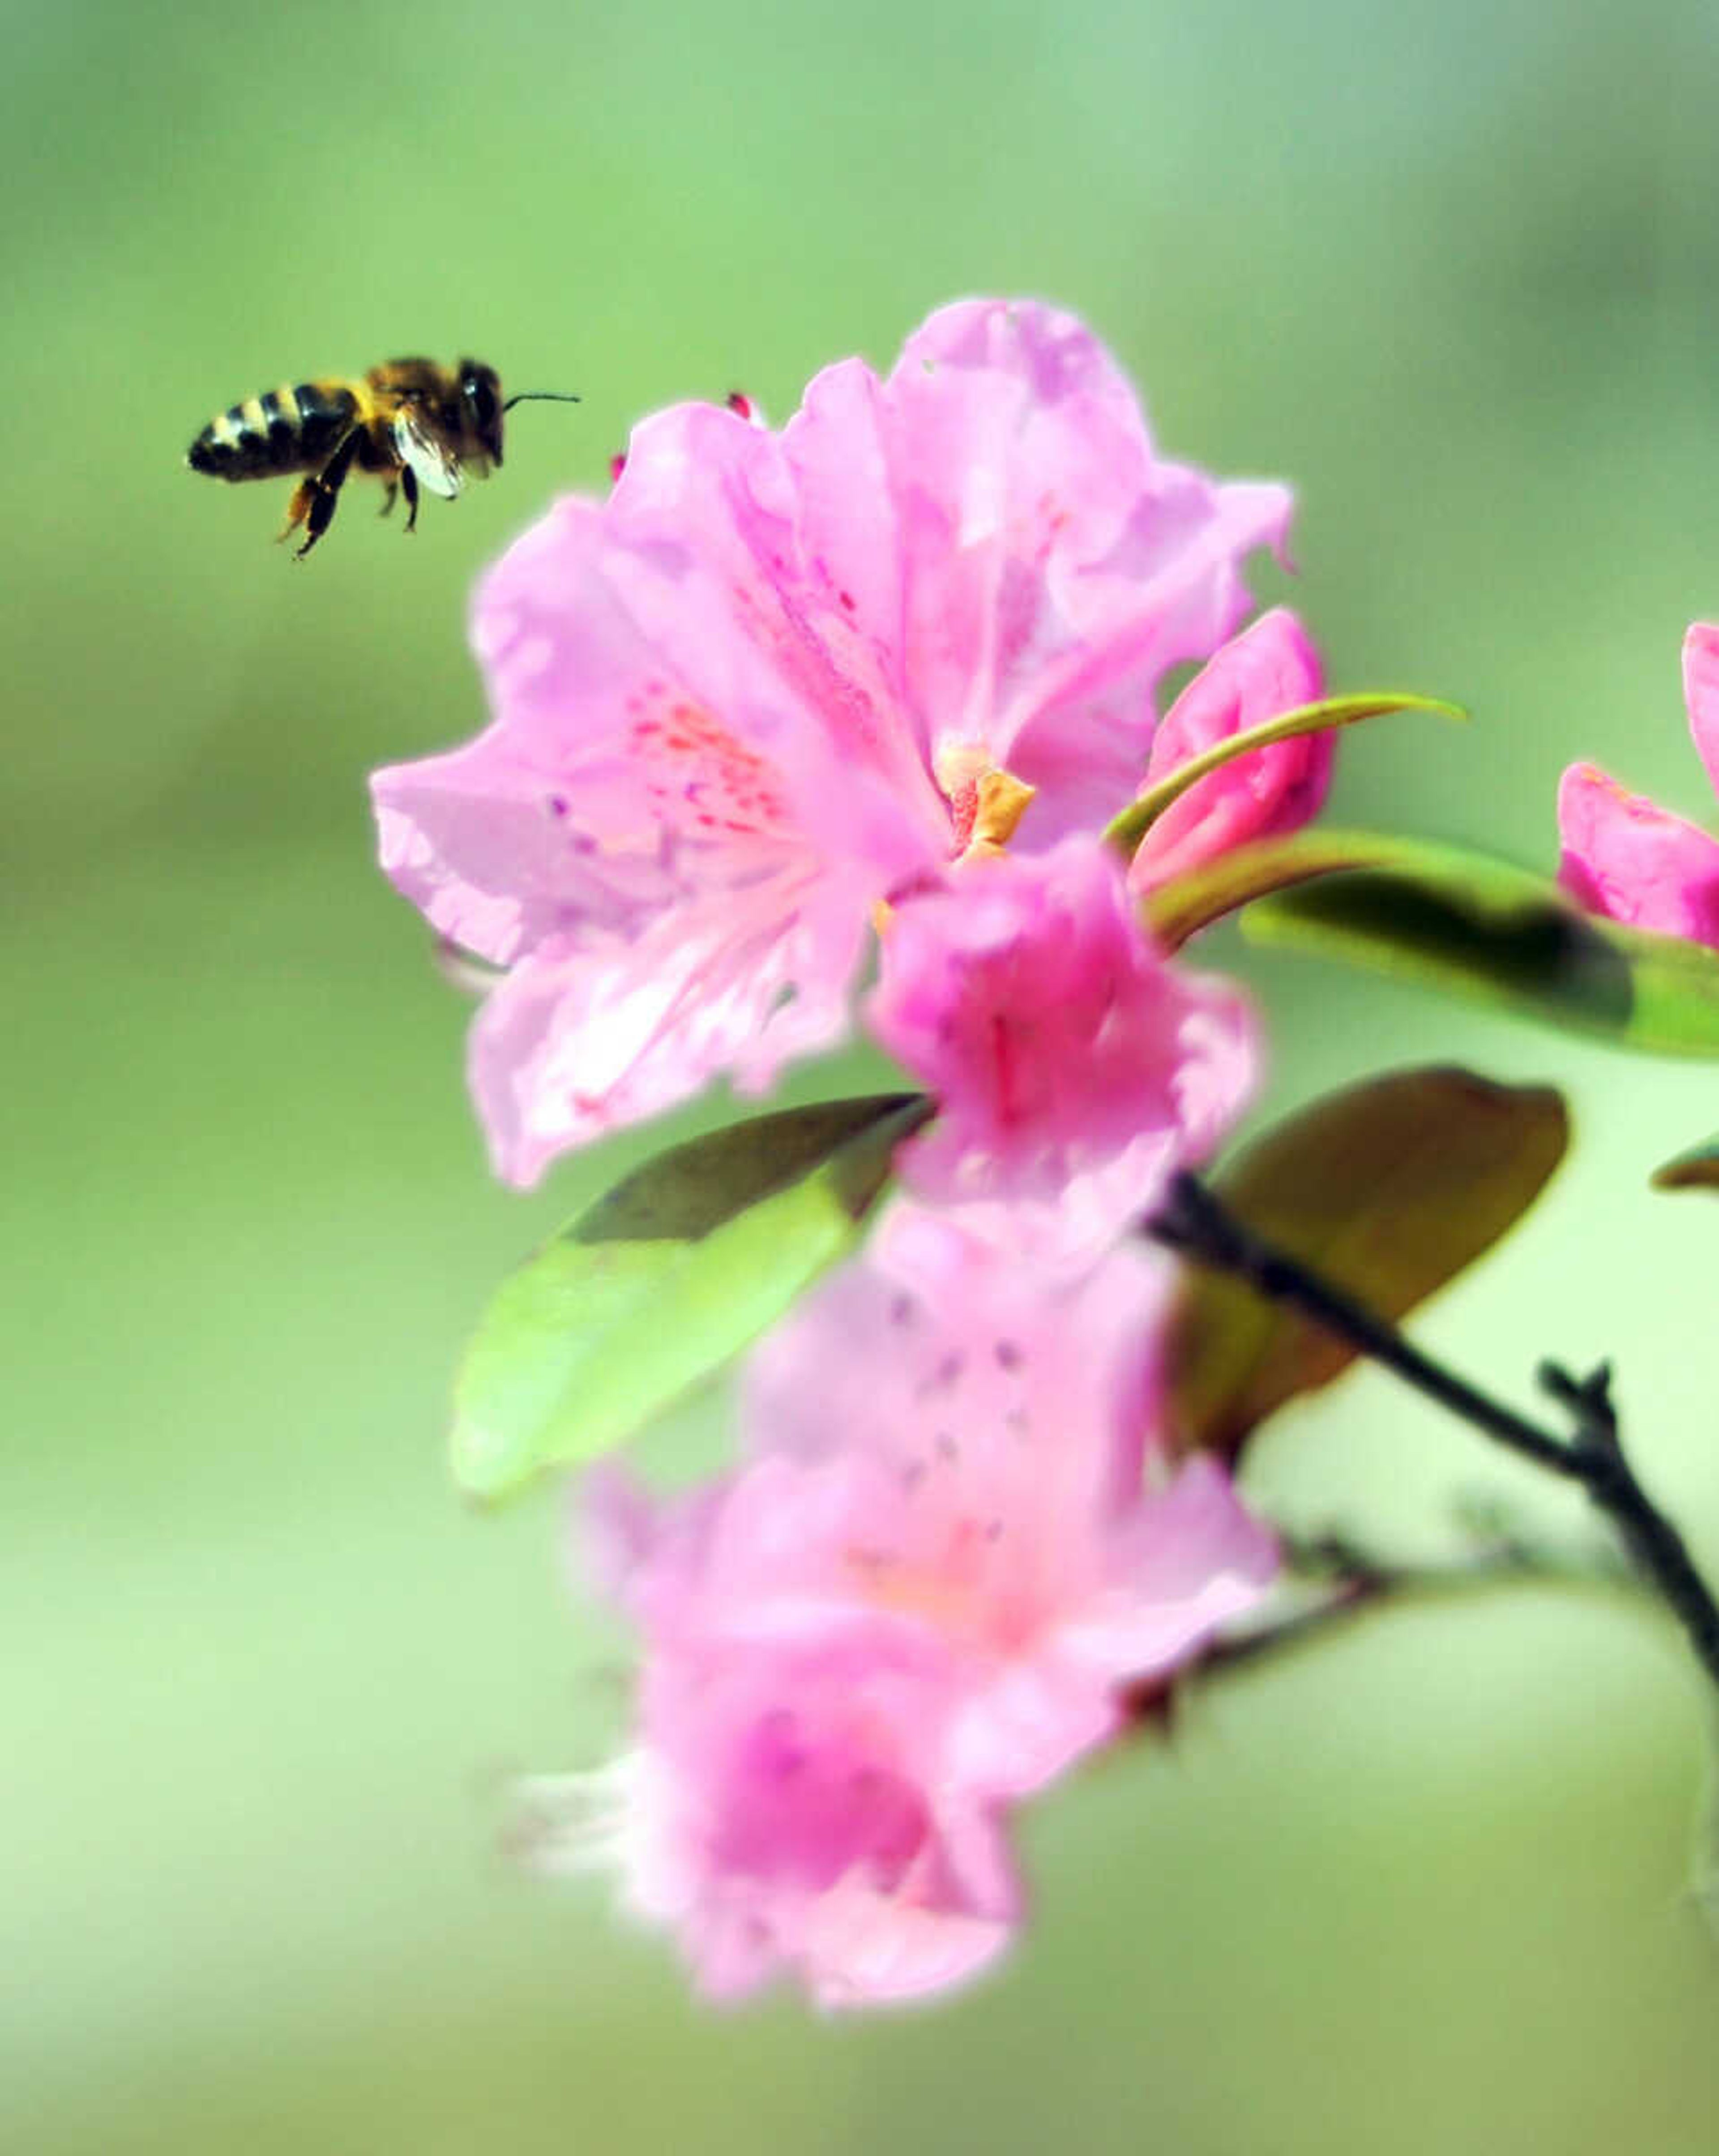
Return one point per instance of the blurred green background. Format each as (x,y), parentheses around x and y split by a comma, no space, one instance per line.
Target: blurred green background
(1452,268)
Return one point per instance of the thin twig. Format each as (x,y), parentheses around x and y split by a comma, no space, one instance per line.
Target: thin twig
(1359,1581)
(1195,1222)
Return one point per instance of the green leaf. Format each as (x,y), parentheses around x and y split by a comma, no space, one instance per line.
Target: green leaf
(1181,907)
(1459,921)
(1127,830)
(659,1283)
(1696,1169)
(1388,1188)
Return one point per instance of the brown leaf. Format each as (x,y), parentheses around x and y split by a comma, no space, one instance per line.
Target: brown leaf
(1388,1188)
(1697,1169)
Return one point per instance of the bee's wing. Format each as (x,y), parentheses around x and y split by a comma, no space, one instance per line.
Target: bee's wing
(425,456)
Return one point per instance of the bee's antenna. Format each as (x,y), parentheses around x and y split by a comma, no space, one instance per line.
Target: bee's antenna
(540,397)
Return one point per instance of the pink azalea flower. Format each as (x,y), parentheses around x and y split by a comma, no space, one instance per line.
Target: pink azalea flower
(1075,1067)
(1625,857)
(921,1598)
(783,1811)
(759,689)
(1270,668)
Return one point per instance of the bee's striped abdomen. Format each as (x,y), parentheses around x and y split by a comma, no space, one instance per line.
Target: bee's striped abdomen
(289,429)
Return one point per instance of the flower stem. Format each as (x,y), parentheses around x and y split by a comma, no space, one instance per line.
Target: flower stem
(1195,1222)
(1350,1580)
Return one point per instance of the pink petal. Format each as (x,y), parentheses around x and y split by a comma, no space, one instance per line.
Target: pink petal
(1192,1558)
(1270,668)
(799,1822)
(1074,1069)
(927,1355)
(977,1460)
(1701,693)
(1628,859)
(861,1948)
(997,508)
(726,504)
(1172,1571)
(1177,592)
(581,1040)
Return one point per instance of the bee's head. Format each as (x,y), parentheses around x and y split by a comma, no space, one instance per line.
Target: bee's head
(480,406)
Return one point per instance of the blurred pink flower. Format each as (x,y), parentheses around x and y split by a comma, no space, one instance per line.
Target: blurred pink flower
(1075,1067)
(1270,668)
(1625,857)
(758,689)
(785,1808)
(919,1599)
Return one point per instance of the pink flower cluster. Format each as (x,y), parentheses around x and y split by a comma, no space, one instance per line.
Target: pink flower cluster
(886,674)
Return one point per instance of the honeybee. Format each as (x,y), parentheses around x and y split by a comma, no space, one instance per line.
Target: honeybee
(408,422)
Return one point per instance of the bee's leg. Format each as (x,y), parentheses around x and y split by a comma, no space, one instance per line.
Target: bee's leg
(321,490)
(408,486)
(387,500)
(297,509)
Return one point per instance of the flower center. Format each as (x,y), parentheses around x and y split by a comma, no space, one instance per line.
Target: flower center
(952,1586)
(986,803)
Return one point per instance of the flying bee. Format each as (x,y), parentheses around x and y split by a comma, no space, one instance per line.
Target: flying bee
(408,423)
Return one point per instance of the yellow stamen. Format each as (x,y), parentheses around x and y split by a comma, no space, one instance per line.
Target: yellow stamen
(1003,802)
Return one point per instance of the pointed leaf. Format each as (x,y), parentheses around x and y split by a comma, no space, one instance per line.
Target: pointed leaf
(1389,1188)
(660,1282)
(1459,921)
(1696,1169)
(1127,830)
(1182,906)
